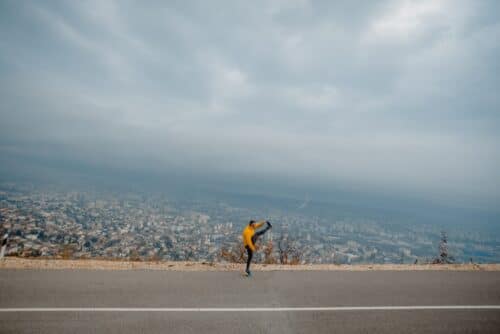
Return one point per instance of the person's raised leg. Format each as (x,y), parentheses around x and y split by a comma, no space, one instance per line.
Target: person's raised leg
(260,233)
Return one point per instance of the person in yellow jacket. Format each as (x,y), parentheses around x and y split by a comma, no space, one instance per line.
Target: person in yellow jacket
(250,237)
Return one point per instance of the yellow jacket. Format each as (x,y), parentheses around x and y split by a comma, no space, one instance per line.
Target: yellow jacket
(248,233)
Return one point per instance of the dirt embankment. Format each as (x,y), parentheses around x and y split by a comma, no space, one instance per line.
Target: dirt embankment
(23,263)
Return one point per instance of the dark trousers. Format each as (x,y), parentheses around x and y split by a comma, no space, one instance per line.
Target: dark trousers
(254,240)
(249,257)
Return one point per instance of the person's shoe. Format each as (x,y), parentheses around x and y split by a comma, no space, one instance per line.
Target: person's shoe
(249,273)
(269,225)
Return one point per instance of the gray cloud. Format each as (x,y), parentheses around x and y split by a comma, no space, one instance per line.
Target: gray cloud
(394,95)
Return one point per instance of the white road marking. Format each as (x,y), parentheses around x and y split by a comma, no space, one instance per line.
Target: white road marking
(249,309)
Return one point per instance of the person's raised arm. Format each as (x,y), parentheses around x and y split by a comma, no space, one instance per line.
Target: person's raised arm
(260,223)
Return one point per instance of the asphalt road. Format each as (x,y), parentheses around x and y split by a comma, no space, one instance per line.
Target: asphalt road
(86,289)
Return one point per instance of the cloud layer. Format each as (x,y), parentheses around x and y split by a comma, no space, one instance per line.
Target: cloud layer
(392,95)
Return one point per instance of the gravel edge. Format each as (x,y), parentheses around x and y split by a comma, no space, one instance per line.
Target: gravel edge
(93,264)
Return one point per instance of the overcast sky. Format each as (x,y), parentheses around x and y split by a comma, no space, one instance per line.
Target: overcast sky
(395,95)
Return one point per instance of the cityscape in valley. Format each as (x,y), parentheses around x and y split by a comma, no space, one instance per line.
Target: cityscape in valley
(55,223)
